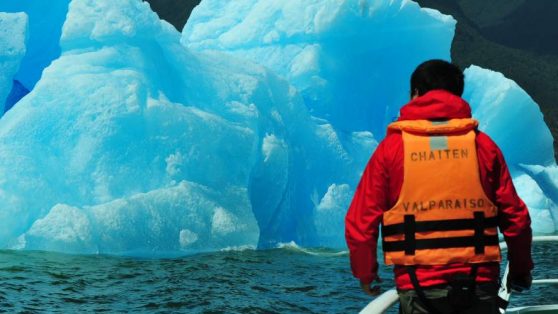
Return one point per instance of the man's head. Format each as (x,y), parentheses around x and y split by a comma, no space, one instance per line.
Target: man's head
(437,74)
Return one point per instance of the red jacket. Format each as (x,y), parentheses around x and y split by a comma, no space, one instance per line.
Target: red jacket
(381,183)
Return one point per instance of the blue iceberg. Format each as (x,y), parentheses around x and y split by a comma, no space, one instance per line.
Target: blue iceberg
(514,121)
(45,19)
(350,60)
(13,37)
(16,94)
(249,129)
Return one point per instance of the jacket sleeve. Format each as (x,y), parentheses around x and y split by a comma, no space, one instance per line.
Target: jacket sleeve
(364,216)
(514,220)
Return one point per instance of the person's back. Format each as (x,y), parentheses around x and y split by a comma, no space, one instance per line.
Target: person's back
(440,188)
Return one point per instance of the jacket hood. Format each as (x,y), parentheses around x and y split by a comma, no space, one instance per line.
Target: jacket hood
(436,105)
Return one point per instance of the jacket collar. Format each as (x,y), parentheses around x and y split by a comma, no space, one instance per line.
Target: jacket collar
(436,105)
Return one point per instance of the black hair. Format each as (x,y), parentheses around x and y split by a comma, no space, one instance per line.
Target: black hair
(437,74)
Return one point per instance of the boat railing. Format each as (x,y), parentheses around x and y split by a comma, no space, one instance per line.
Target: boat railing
(390,298)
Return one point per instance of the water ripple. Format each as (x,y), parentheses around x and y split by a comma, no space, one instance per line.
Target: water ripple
(285,280)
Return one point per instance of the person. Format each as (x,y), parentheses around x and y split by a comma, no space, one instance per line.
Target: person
(440,188)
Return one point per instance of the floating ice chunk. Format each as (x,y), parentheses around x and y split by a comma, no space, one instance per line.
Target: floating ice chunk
(126,112)
(350,62)
(132,143)
(353,71)
(104,119)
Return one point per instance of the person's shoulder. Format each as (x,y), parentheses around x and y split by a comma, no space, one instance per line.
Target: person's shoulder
(390,148)
(392,139)
(393,135)
(487,149)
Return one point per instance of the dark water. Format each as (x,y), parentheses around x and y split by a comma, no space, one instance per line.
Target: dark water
(287,280)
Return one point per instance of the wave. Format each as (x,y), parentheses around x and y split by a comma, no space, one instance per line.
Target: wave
(240,248)
(292,246)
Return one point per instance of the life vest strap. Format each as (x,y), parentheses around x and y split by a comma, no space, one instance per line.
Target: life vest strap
(441,225)
(420,292)
(441,243)
(410,230)
(480,224)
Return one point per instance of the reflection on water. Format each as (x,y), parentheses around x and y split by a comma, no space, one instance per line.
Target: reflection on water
(285,280)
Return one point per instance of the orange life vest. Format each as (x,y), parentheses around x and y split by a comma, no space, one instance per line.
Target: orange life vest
(442,215)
